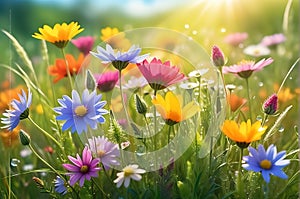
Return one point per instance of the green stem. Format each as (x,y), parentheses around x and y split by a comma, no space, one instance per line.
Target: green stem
(155,123)
(249,98)
(148,128)
(67,68)
(239,183)
(46,134)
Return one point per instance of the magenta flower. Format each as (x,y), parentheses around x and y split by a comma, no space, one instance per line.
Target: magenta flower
(270,106)
(107,81)
(245,68)
(160,75)
(235,39)
(82,169)
(84,44)
(217,57)
(271,40)
(107,151)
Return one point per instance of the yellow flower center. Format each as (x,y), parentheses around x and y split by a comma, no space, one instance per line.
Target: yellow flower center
(100,153)
(128,171)
(80,110)
(84,169)
(265,164)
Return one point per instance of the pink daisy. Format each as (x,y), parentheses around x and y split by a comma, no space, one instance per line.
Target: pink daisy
(235,39)
(271,40)
(82,169)
(245,68)
(84,44)
(107,81)
(160,75)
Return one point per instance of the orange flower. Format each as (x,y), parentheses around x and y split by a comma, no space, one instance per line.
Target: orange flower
(236,102)
(60,34)
(7,96)
(171,109)
(60,68)
(10,138)
(243,134)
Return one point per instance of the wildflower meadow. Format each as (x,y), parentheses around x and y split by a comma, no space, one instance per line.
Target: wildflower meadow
(192,100)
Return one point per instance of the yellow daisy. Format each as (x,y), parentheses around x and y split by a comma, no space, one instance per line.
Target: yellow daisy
(245,133)
(171,109)
(60,34)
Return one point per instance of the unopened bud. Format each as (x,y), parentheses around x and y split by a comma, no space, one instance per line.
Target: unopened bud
(217,57)
(140,105)
(24,137)
(39,183)
(270,105)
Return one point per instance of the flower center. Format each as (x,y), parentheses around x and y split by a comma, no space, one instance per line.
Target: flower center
(100,153)
(84,169)
(128,171)
(80,110)
(265,164)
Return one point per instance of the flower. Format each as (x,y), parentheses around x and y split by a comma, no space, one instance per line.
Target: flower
(257,50)
(267,162)
(60,34)
(107,151)
(7,95)
(198,73)
(274,39)
(245,68)
(10,138)
(129,172)
(59,70)
(83,169)
(107,81)
(236,102)
(160,75)
(171,109)
(19,112)
(81,113)
(217,57)
(135,82)
(84,44)
(243,134)
(108,32)
(59,186)
(119,59)
(270,105)
(235,39)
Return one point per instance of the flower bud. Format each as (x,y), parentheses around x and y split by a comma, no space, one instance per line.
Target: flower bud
(217,57)
(39,183)
(270,105)
(140,105)
(24,137)
(90,81)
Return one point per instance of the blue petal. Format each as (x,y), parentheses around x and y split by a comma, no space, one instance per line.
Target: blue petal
(266,175)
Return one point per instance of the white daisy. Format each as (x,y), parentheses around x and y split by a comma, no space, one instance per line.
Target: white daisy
(129,172)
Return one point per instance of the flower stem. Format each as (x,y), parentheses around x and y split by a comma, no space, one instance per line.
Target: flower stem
(46,133)
(67,68)
(239,184)
(155,123)
(249,98)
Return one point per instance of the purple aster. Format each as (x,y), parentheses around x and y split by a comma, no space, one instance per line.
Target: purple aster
(81,113)
(119,59)
(84,44)
(59,186)
(107,81)
(82,169)
(107,151)
(267,162)
(19,112)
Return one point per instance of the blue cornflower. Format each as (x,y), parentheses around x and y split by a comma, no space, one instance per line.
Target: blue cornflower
(81,113)
(19,112)
(119,59)
(59,186)
(267,162)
